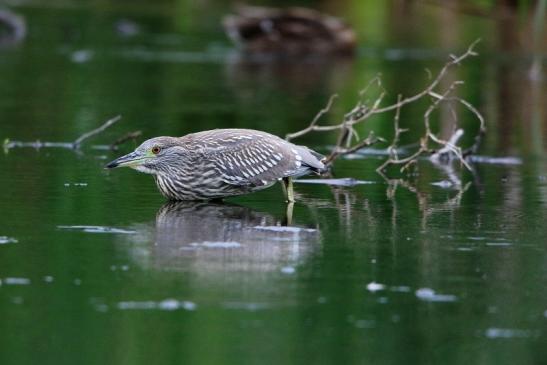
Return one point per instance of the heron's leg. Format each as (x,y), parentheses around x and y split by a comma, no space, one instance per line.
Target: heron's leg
(288,214)
(288,189)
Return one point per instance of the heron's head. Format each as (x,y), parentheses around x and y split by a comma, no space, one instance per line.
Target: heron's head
(152,157)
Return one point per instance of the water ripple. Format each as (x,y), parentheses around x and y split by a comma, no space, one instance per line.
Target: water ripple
(97,229)
(166,305)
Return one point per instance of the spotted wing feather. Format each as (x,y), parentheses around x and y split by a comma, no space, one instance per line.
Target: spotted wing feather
(251,158)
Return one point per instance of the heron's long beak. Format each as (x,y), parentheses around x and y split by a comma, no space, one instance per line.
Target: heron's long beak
(132,159)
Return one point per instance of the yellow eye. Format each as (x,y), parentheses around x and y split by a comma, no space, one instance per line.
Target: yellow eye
(156,150)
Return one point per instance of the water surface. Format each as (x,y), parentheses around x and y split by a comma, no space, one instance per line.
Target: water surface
(95,267)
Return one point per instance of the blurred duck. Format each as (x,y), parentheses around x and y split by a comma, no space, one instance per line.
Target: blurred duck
(289,31)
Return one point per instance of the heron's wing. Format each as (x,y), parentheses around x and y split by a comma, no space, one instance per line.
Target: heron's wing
(257,161)
(249,158)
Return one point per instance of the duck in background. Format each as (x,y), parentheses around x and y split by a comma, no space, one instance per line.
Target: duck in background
(290,31)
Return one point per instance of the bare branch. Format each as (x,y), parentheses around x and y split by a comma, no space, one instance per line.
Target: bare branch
(339,151)
(439,150)
(454,61)
(315,120)
(363,110)
(83,137)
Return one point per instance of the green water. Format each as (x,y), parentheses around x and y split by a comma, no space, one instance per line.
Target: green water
(96,268)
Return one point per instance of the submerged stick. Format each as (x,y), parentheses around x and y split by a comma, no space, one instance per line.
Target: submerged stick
(8,144)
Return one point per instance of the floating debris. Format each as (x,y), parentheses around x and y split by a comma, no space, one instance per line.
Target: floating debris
(285,229)
(374,287)
(363,152)
(121,268)
(15,281)
(97,229)
(4,240)
(82,56)
(429,295)
(508,333)
(289,270)
(219,244)
(464,249)
(495,160)
(166,305)
(445,184)
(336,182)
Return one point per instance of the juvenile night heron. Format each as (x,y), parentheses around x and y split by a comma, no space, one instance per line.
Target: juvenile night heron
(220,163)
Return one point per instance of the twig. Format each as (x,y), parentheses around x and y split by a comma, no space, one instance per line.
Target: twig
(83,137)
(315,120)
(392,148)
(337,151)
(126,137)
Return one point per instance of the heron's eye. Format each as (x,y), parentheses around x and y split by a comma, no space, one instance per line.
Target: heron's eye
(156,150)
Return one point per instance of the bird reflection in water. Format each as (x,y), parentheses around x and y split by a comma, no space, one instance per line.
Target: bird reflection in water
(208,237)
